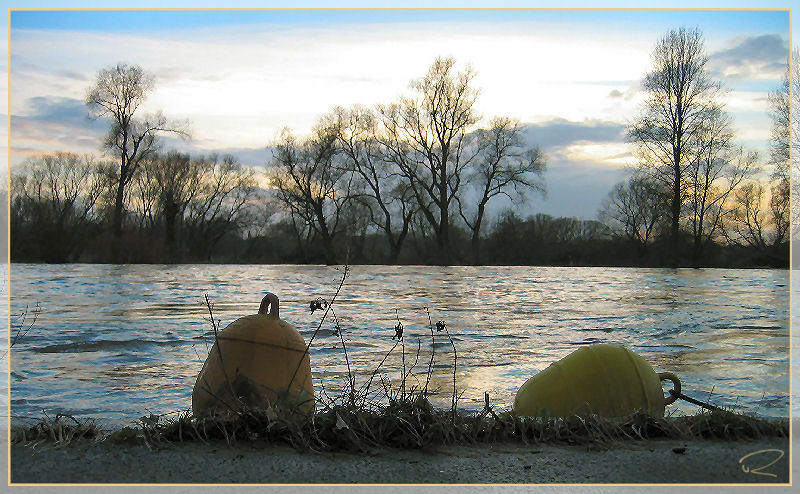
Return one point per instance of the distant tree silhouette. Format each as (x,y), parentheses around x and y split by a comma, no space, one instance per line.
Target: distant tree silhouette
(635,209)
(750,223)
(781,111)
(716,168)
(313,187)
(221,206)
(164,187)
(503,167)
(429,138)
(116,95)
(389,200)
(53,200)
(681,98)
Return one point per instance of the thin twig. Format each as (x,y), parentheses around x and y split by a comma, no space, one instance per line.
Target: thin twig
(433,352)
(350,378)
(416,359)
(219,349)
(403,354)
(365,392)
(22,329)
(314,335)
(455,364)
(207,388)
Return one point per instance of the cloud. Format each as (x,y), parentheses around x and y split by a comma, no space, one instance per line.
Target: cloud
(622,155)
(584,161)
(559,133)
(575,188)
(627,95)
(754,57)
(260,157)
(288,76)
(47,124)
(54,123)
(18,63)
(75,76)
(57,110)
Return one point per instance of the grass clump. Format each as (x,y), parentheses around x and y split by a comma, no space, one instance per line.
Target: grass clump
(60,431)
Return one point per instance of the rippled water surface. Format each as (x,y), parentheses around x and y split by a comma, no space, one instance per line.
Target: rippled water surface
(116,342)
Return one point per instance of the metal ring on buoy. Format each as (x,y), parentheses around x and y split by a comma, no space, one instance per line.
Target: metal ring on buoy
(674,393)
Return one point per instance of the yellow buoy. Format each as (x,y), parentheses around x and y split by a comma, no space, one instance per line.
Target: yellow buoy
(257,360)
(607,380)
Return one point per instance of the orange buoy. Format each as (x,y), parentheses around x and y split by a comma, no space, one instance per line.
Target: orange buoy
(607,380)
(256,361)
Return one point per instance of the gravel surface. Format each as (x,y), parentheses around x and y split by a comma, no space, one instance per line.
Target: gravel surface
(629,462)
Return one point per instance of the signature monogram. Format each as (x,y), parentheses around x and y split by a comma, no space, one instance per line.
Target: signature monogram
(747,467)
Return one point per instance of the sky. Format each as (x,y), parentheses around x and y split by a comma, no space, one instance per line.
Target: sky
(571,77)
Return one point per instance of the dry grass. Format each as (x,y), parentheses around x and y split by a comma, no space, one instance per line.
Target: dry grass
(60,431)
(407,424)
(416,424)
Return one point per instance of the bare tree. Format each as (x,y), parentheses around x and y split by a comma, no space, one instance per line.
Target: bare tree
(221,206)
(117,95)
(311,185)
(55,196)
(758,220)
(779,207)
(504,168)
(635,210)
(143,196)
(593,230)
(716,169)
(749,225)
(389,200)
(780,112)
(782,160)
(795,139)
(429,137)
(680,99)
(165,185)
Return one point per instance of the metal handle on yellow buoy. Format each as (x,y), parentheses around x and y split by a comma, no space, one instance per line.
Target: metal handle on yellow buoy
(674,393)
(270,301)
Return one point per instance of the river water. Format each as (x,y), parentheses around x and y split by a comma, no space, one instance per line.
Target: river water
(116,342)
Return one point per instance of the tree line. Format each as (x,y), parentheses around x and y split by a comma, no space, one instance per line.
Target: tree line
(410,182)
(695,189)
(63,208)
